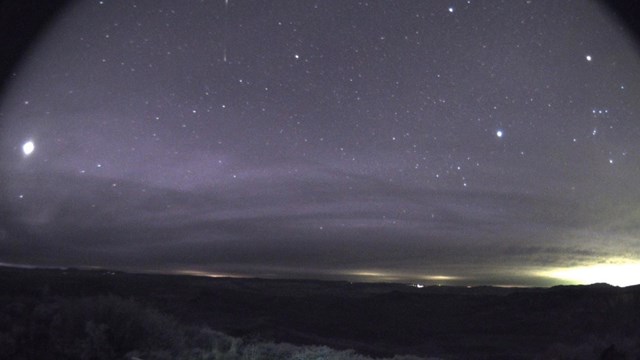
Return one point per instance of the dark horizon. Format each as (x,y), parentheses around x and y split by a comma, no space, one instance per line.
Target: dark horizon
(354,279)
(188,317)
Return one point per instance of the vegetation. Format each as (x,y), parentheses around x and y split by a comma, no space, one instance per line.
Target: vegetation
(111,327)
(78,314)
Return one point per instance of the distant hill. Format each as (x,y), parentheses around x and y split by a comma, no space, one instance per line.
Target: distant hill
(374,319)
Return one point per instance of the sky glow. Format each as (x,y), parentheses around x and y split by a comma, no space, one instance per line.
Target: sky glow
(427,142)
(622,274)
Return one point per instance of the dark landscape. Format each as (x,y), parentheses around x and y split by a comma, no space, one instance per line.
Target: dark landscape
(326,180)
(100,314)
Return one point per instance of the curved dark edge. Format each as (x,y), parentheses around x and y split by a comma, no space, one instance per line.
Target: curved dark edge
(21,24)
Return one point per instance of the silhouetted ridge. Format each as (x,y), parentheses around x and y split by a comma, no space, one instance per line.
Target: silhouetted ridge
(374,319)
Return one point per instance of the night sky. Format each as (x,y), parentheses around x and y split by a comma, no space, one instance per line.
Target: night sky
(453,142)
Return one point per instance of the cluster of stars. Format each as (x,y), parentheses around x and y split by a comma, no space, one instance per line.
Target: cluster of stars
(331,103)
(424,158)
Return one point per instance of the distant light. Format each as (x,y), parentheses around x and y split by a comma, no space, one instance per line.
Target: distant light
(451,9)
(623,274)
(441,277)
(499,133)
(28,147)
(588,57)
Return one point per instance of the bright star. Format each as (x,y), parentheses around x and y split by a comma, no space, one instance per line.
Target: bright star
(451,9)
(28,147)
(588,57)
(499,133)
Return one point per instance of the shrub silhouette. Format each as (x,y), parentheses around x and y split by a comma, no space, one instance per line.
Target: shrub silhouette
(97,345)
(110,327)
(102,327)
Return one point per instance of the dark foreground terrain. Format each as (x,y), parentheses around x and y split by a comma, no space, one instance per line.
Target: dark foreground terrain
(77,314)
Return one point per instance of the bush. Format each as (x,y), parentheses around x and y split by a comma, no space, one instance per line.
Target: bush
(110,327)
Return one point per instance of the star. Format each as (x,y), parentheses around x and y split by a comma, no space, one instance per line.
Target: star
(335,124)
(28,147)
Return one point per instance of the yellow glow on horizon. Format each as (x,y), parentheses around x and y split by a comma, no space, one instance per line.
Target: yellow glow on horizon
(393,276)
(206,274)
(373,275)
(622,274)
(367,273)
(440,277)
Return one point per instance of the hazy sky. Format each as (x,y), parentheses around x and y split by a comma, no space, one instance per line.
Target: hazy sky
(459,142)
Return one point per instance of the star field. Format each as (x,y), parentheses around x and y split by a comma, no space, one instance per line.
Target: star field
(473,141)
